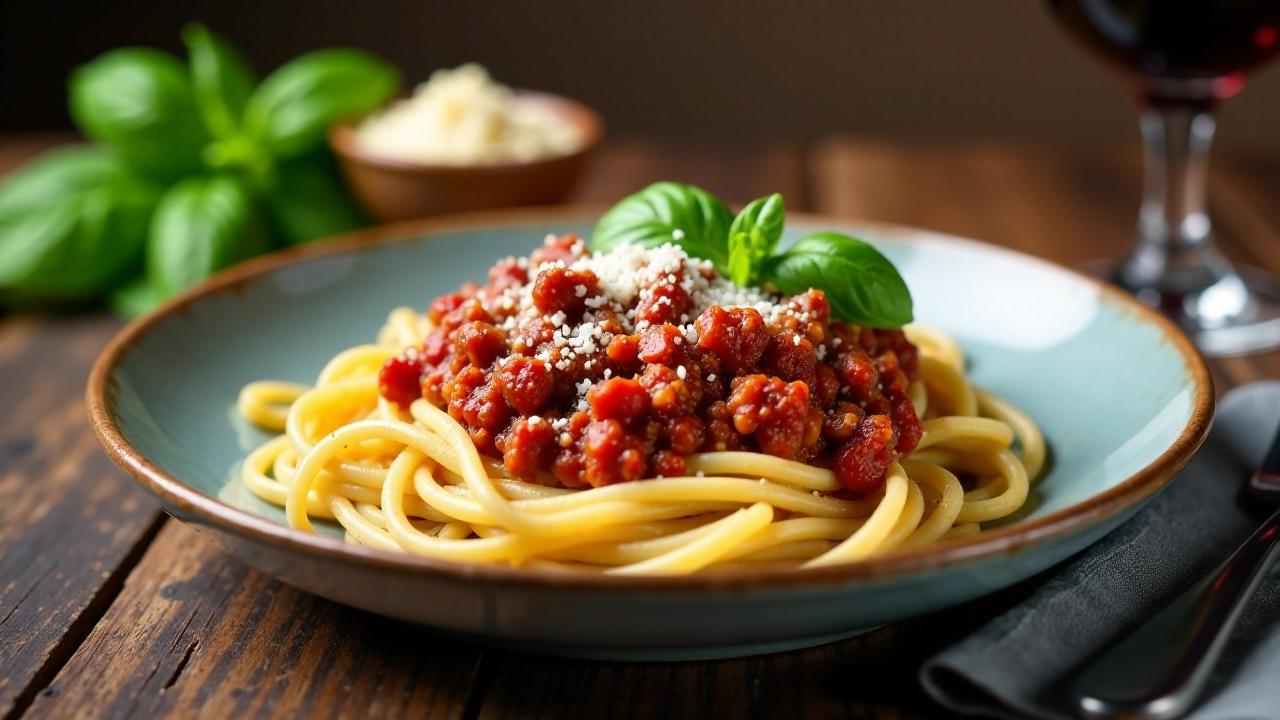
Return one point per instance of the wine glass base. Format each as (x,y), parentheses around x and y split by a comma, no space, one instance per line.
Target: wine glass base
(1237,316)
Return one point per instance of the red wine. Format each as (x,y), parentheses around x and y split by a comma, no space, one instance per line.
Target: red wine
(1185,50)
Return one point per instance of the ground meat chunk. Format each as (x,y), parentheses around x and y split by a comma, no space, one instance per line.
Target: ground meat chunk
(624,350)
(528,446)
(533,336)
(612,454)
(480,343)
(672,394)
(737,336)
(478,405)
(564,248)
(773,411)
(668,464)
(469,310)
(525,383)
(560,290)
(444,305)
(399,379)
(721,434)
(810,315)
(621,399)
(434,383)
(826,386)
(436,348)
(791,357)
(862,461)
(662,344)
(842,421)
(508,273)
(858,371)
(685,434)
(666,302)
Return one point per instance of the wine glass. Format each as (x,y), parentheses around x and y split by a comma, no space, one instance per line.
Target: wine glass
(1181,59)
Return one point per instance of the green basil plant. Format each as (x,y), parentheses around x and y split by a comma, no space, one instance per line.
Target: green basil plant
(196,165)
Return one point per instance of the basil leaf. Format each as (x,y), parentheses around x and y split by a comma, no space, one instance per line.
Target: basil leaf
(221,78)
(139,102)
(71,225)
(862,286)
(136,297)
(309,201)
(202,224)
(297,103)
(753,237)
(668,212)
(56,174)
(223,83)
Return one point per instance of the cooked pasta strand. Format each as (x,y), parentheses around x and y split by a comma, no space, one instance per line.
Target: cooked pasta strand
(413,481)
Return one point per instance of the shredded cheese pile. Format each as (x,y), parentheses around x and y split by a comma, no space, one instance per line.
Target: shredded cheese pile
(463,117)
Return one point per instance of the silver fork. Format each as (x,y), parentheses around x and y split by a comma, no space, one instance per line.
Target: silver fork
(1131,680)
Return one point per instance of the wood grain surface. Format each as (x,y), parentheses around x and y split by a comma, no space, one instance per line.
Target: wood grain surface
(71,525)
(108,610)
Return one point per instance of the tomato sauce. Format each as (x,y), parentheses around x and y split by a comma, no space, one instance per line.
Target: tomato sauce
(599,377)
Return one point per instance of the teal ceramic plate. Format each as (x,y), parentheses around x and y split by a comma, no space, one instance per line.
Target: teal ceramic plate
(1122,397)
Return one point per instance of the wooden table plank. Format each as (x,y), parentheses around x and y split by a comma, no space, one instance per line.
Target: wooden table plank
(733,173)
(1247,223)
(71,526)
(869,676)
(197,633)
(1243,195)
(1066,207)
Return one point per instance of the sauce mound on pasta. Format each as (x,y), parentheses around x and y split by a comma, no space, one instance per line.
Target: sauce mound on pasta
(608,368)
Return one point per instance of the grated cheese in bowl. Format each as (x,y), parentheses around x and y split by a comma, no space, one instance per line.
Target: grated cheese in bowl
(463,117)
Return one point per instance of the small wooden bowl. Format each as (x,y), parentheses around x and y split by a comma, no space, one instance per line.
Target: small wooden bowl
(390,190)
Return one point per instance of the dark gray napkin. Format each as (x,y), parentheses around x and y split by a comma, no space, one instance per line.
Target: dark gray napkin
(1018,665)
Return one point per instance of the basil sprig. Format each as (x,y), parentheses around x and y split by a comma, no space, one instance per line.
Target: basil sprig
(71,225)
(139,102)
(221,78)
(862,286)
(753,237)
(291,110)
(201,224)
(668,212)
(196,166)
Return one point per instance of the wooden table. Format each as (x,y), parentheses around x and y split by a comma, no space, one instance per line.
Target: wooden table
(108,608)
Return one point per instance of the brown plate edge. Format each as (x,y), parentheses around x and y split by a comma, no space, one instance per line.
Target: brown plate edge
(1008,540)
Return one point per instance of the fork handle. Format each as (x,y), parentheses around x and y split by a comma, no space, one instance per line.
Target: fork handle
(1161,669)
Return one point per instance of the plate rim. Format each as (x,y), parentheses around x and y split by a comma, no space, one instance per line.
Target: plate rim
(194,506)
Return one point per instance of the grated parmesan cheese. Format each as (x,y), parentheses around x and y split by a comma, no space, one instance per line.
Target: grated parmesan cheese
(625,277)
(463,117)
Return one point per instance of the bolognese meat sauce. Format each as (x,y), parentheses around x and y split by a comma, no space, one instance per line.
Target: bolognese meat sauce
(608,368)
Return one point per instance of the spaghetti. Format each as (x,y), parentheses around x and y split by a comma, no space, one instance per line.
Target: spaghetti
(410,477)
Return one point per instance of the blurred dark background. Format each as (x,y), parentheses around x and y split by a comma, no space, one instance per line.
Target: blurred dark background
(697,69)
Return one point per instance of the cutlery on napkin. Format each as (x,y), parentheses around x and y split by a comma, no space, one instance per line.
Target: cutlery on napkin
(1020,664)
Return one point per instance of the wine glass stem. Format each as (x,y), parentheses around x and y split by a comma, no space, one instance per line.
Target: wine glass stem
(1175,254)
